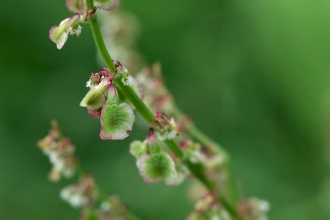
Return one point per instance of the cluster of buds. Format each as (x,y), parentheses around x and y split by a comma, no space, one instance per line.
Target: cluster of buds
(212,161)
(60,152)
(81,194)
(192,151)
(157,96)
(110,209)
(208,208)
(254,209)
(153,163)
(120,31)
(86,196)
(113,209)
(70,26)
(183,124)
(165,127)
(110,104)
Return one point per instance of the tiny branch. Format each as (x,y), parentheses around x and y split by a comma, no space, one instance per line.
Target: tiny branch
(85,194)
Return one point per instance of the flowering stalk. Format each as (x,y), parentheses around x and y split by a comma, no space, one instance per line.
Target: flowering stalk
(86,194)
(113,95)
(147,114)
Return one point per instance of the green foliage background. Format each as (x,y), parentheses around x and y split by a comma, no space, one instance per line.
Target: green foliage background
(254,75)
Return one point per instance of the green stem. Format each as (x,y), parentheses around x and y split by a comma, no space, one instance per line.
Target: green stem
(136,101)
(98,37)
(146,113)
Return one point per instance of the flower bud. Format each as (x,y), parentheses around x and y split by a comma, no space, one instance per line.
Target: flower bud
(105,206)
(59,34)
(80,194)
(205,203)
(192,151)
(165,128)
(208,207)
(73,196)
(76,6)
(137,149)
(107,5)
(130,81)
(60,152)
(156,95)
(95,98)
(254,208)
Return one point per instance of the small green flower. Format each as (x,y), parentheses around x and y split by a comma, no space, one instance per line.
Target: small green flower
(96,96)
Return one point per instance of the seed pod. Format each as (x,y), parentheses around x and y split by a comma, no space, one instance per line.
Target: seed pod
(116,119)
(159,166)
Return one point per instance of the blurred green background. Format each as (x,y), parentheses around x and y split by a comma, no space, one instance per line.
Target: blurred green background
(254,75)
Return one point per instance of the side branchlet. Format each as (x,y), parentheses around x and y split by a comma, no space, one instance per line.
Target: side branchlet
(85,195)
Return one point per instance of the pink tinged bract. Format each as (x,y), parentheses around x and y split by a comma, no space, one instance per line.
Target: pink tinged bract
(154,167)
(116,119)
(107,5)
(76,6)
(95,113)
(58,36)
